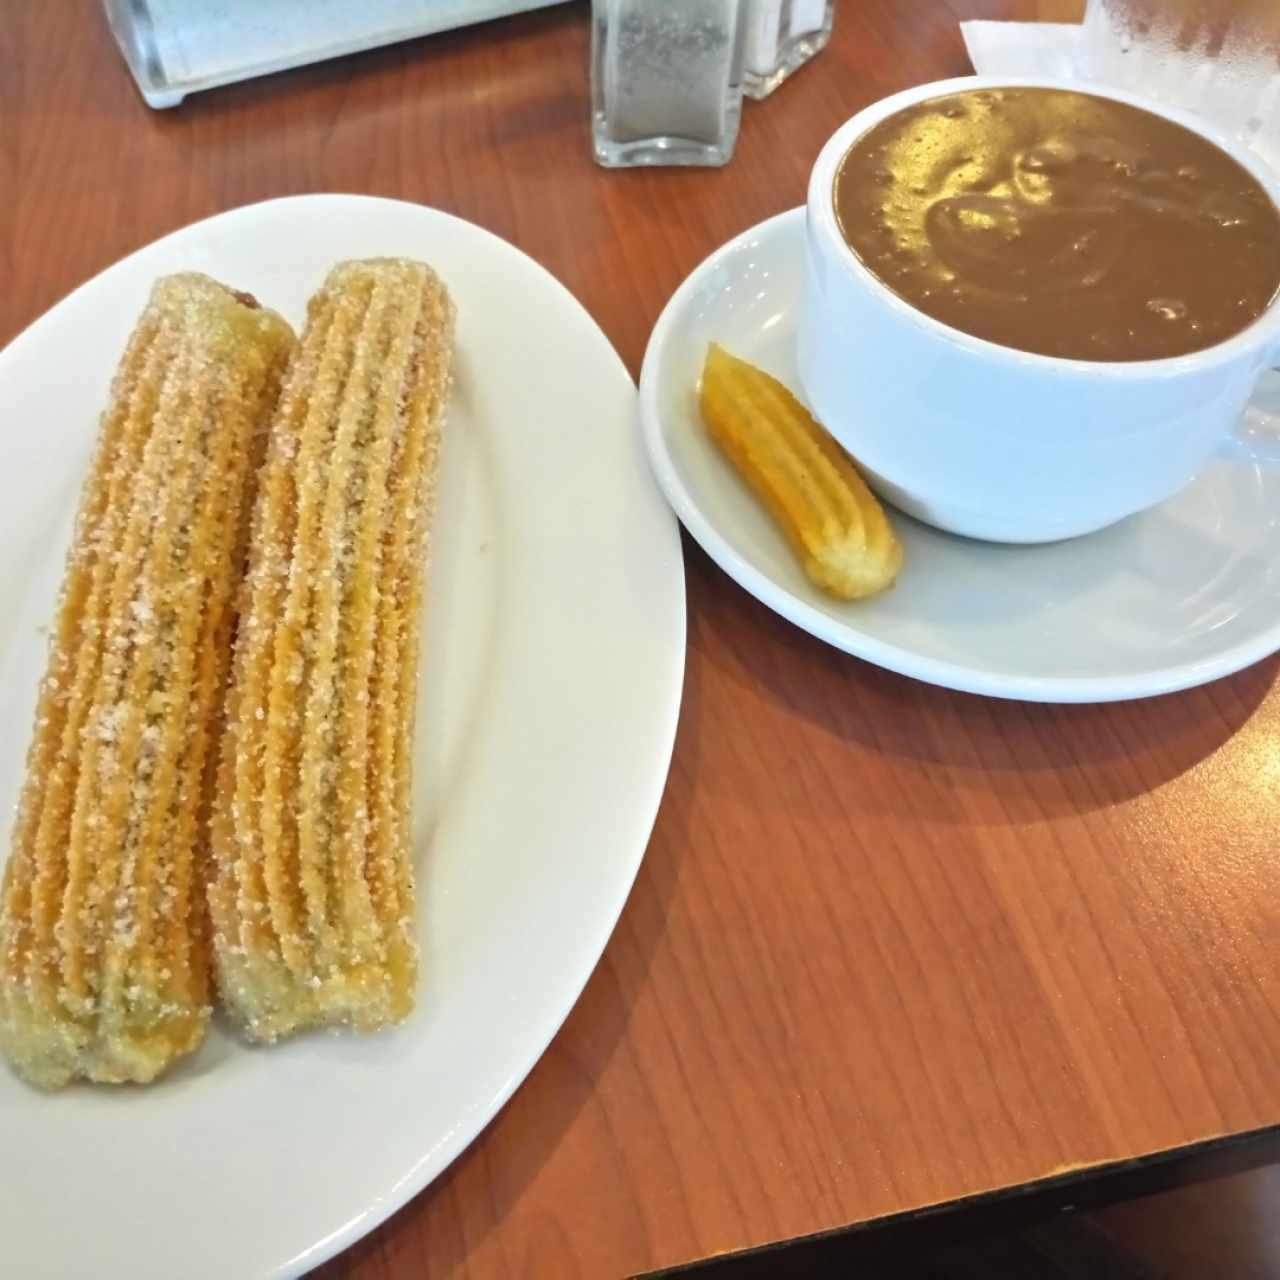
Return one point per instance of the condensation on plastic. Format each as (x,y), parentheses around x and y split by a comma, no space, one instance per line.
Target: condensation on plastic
(1218,58)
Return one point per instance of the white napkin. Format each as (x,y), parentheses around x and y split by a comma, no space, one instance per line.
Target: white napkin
(1022,48)
(1054,49)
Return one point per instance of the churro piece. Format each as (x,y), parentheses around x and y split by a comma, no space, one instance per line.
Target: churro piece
(808,483)
(104,970)
(312,894)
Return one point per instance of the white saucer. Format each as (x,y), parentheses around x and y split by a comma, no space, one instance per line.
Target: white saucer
(1165,600)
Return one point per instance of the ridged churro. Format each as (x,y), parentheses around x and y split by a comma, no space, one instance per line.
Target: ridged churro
(312,894)
(104,967)
(808,483)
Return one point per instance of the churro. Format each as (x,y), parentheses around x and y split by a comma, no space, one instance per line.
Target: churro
(104,968)
(823,506)
(312,892)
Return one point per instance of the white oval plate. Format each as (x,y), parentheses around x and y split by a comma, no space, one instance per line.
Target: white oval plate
(552,667)
(1171,598)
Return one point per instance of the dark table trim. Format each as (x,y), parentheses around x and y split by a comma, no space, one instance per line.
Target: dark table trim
(995,1212)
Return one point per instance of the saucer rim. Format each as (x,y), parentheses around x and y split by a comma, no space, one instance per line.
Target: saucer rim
(846,636)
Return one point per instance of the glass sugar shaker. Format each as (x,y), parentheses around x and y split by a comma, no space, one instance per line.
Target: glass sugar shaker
(783,35)
(666,80)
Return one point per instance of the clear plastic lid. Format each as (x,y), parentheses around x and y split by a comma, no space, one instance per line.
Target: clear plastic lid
(177,47)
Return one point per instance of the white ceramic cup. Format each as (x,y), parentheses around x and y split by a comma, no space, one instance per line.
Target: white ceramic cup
(991,442)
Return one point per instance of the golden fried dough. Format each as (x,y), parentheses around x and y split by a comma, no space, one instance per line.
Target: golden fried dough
(104,969)
(808,483)
(312,892)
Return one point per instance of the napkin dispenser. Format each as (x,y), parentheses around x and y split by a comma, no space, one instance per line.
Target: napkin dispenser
(177,47)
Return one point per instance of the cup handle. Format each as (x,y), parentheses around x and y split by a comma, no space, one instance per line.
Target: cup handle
(1256,437)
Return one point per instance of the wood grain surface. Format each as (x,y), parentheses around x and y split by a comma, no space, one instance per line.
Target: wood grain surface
(890,945)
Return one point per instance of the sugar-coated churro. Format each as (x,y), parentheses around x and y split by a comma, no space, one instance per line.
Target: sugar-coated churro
(104,967)
(312,893)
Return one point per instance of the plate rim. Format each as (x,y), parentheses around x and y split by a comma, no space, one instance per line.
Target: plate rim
(650,786)
(846,636)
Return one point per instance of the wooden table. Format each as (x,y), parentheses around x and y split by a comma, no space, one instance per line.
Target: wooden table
(890,945)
